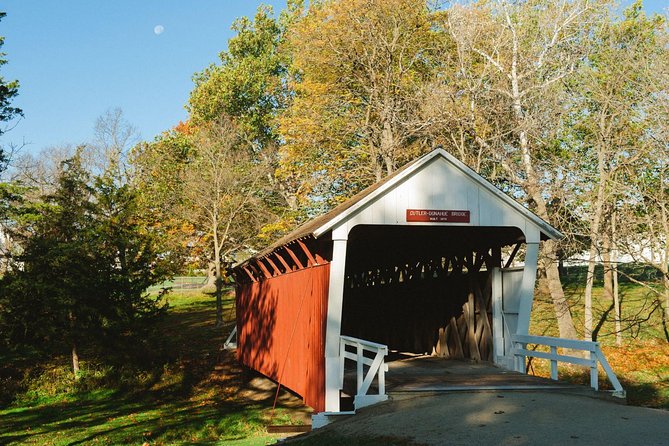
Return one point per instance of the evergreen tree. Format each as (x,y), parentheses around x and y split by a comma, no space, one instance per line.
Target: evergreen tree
(82,276)
(8,90)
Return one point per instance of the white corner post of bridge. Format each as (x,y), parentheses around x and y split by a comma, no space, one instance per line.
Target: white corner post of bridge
(596,357)
(369,358)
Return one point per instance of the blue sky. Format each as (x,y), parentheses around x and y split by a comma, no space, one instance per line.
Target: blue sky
(77,58)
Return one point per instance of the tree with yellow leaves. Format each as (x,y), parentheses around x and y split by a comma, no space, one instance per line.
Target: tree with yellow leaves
(359,73)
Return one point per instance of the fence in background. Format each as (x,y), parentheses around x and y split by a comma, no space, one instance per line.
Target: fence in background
(181,283)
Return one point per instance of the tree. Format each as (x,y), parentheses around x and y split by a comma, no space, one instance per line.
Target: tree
(108,154)
(18,213)
(645,229)
(158,176)
(611,119)
(82,275)
(8,91)
(657,192)
(40,171)
(358,71)
(223,198)
(644,216)
(250,87)
(114,137)
(516,56)
(204,187)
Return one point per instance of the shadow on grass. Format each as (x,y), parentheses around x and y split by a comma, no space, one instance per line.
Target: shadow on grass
(654,395)
(196,392)
(119,420)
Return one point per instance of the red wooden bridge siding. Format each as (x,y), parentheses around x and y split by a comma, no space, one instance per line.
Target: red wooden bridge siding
(281,330)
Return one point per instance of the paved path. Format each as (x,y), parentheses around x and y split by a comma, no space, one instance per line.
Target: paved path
(507,418)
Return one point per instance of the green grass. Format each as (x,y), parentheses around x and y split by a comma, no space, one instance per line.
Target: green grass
(187,390)
(109,420)
(641,318)
(191,398)
(641,363)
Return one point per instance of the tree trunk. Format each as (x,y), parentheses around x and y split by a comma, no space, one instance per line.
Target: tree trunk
(608,280)
(210,284)
(390,164)
(388,144)
(217,272)
(595,227)
(219,290)
(378,168)
(533,189)
(75,355)
(616,304)
(665,314)
(616,289)
(589,282)
(562,313)
(75,360)
(606,264)
(665,266)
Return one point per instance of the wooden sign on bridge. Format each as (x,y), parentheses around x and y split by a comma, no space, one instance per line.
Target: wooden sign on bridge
(437,216)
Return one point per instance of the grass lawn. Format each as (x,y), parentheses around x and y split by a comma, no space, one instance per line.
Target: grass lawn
(199,395)
(188,390)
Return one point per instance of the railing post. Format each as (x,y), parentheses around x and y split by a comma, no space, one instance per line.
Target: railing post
(554,363)
(594,376)
(382,376)
(342,359)
(520,359)
(618,388)
(359,367)
(231,342)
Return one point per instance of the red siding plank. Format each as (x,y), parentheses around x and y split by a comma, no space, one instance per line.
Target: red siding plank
(281,330)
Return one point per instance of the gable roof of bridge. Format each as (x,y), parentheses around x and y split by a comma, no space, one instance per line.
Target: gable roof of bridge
(321,225)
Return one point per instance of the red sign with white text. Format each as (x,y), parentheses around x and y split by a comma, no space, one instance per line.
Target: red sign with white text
(437,215)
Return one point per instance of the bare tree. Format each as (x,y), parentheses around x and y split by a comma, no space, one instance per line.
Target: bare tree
(114,136)
(41,171)
(223,188)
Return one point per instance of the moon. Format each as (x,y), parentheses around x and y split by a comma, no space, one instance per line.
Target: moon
(158,30)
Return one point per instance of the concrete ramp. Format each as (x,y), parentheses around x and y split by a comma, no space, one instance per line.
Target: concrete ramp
(498,418)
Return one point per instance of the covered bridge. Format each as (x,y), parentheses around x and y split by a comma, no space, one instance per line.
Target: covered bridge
(413,264)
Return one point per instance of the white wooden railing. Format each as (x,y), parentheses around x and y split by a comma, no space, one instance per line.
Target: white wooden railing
(520,352)
(231,342)
(376,368)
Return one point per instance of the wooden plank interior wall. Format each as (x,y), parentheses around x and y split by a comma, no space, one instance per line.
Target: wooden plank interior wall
(281,330)
(440,306)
